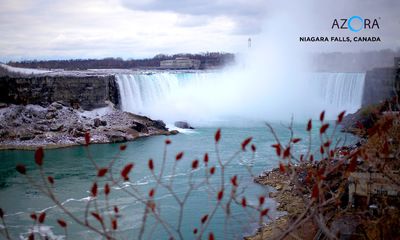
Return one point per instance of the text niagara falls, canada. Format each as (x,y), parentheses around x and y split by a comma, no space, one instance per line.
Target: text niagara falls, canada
(339,39)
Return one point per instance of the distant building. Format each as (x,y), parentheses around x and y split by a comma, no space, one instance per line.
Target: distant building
(180,63)
(249,43)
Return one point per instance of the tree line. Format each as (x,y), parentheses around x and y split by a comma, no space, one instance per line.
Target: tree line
(208,60)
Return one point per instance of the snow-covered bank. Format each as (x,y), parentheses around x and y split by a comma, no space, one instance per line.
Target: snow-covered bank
(25,71)
(88,72)
(32,126)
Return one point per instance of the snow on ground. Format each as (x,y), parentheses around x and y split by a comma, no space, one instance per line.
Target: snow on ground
(98,112)
(24,70)
(89,72)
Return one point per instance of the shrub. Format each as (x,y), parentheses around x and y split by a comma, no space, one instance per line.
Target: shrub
(319,178)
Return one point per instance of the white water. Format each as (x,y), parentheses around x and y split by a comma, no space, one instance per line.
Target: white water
(338,91)
(215,96)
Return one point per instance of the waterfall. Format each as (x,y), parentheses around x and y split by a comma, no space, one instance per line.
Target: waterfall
(210,95)
(338,90)
(139,92)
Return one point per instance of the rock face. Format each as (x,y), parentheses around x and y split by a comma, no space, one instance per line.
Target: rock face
(380,84)
(86,92)
(366,115)
(29,127)
(54,111)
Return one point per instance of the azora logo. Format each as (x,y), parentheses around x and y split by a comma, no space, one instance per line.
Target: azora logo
(355,23)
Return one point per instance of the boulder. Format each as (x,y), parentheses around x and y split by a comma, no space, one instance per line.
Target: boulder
(103,123)
(79,134)
(160,125)
(56,127)
(80,128)
(51,115)
(127,131)
(43,128)
(12,135)
(140,127)
(174,132)
(57,106)
(96,122)
(26,136)
(65,103)
(183,125)
(51,109)
(3,132)
(37,132)
(40,113)
(116,138)
(26,120)
(28,113)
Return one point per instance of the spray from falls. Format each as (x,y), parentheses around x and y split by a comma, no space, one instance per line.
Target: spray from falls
(271,81)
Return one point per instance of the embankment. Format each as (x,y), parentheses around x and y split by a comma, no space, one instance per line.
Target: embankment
(55,111)
(86,92)
(380,84)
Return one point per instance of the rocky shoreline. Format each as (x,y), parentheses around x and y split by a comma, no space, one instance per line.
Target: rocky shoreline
(347,211)
(288,201)
(56,126)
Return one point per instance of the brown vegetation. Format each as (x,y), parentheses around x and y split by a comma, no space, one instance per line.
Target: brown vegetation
(333,201)
(317,192)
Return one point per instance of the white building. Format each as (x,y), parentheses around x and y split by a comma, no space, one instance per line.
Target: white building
(181,63)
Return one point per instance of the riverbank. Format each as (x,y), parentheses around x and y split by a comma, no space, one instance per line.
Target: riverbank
(288,201)
(56,126)
(352,193)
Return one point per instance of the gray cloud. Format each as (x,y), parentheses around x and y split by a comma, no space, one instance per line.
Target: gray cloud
(246,15)
(132,28)
(204,7)
(192,21)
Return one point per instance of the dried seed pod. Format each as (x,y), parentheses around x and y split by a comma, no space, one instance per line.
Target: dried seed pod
(195,163)
(218,135)
(179,156)
(39,155)
(62,223)
(42,217)
(321,117)
(102,172)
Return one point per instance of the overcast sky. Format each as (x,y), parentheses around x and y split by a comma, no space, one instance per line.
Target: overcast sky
(71,29)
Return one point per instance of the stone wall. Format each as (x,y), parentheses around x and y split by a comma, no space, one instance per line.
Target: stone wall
(381,84)
(87,92)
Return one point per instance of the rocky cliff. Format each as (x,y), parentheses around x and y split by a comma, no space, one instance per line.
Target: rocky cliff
(86,92)
(380,84)
(53,110)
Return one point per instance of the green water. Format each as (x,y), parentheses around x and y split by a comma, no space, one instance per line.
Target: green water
(74,176)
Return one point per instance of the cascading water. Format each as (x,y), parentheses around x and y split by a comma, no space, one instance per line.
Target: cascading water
(339,91)
(198,96)
(139,92)
(164,95)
